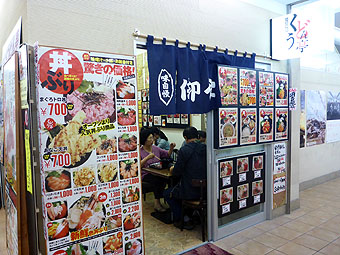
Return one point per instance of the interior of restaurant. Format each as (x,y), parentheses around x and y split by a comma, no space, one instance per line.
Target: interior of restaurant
(159,230)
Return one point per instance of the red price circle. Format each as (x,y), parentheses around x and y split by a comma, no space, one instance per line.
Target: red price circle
(60,71)
(61,252)
(48,205)
(49,124)
(102,197)
(49,224)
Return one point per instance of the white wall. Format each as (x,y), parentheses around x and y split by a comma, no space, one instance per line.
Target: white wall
(10,11)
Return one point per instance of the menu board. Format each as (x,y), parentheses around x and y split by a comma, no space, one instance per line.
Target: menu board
(241,182)
(266,125)
(10,152)
(266,89)
(228,83)
(248,125)
(281,89)
(279,174)
(281,123)
(247,87)
(228,127)
(91,186)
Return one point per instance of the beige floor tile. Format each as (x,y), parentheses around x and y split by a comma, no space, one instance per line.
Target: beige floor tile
(331,249)
(231,241)
(295,249)
(285,233)
(297,213)
(251,232)
(332,226)
(299,226)
(311,242)
(337,242)
(323,234)
(267,225)
(281,220)
(312,220)
(275,252)
(271,240)
(253,248)
(322,215)
(236,252)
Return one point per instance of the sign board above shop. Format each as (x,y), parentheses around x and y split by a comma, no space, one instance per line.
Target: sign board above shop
(303,32)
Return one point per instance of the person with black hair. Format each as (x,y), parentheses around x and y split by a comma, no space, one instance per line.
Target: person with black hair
(150,154)
(160,139)
(202,136)
(191,164)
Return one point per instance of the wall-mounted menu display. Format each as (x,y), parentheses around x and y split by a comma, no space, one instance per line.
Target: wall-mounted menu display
(89,157)
(167,121)
(248,87)
(241,182)
(228,83)
(281,90)
(266,89)
(266,121)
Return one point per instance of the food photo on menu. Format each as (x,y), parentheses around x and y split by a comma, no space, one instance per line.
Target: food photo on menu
(228,126)
(113,244)
(125,90)
(242,165)
(86,213)
(281,123)
(130,194)
(134,247)
(226,168)
(56,210)
(128,168)
(108,145)
(281,87)
(84,248)
(127,142)
(247,87)
(257,162)
(242,191)
(257,188)
(226,196)
(228,85)
(84,176)
(107,172)
(266,85)
(248,126)
(126,116)
(57,229)
(132,221)
(57,180)
(113,222)
(266,124)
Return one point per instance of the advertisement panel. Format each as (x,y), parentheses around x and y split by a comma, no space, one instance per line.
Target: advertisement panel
(90,170)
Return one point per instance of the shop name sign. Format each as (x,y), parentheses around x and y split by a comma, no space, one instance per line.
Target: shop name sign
(299,34)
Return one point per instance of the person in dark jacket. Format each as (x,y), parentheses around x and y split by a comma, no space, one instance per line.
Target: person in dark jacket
(191,164)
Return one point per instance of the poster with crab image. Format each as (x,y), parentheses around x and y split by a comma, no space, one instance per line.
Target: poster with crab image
(266,89)
(248,86)
(281,89)
(228,84)
(266,125)
(89,154)
(281,124)
(248,125)
(228,128)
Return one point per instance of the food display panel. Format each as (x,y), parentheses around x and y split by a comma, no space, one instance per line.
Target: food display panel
(228,84)
(248,87)
(281,124)
(228,127)
(266,89)
(241,182)
(266,122)
(89,155)
(281,90)
(248,126)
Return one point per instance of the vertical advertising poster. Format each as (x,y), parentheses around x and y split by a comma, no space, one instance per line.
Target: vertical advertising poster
(247,87)
(281,89)
(279,174)
(266,88)
(248,125)
(228,83)
(10,152)
(241,182)
(228,127)
(281,124)
(333,117)
(266,125)
(316,114)
(302,118)
(89,152)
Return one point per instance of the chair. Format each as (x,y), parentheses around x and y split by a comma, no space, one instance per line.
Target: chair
(199,205)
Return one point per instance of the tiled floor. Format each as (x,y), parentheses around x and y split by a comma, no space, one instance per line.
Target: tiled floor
(312,229)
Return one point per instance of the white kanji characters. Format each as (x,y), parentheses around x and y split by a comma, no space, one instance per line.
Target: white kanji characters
(209,90)
(165,87)
(189,90)
(60,61)
(165,93)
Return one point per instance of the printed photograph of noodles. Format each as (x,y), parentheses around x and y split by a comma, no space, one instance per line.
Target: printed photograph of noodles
(95,99)
(128,168)
(107,172)
(86,212)
(69,136)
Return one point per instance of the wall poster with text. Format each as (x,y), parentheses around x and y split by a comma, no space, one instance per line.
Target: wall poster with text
(248,126)
(248,86)
(281,89)
(266,125)
(89,152)
(281,124)
(228,83)
(228,127)
(266,89)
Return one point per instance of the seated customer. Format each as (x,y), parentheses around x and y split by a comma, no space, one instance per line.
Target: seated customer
(161,140)
(191,164)
(152,154)
(202,136)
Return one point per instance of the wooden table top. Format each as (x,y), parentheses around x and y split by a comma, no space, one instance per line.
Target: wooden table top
(165,173)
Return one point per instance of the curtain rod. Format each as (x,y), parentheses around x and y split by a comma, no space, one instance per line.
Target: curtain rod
(137,34)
